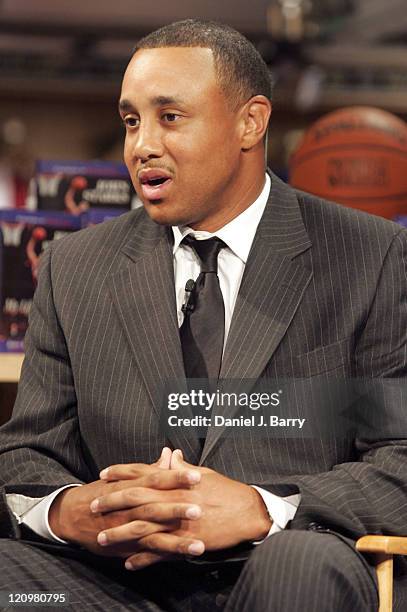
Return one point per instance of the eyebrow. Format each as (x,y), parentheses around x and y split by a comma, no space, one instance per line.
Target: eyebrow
(126,105)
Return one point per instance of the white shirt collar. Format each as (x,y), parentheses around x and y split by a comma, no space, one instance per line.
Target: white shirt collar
(239,233)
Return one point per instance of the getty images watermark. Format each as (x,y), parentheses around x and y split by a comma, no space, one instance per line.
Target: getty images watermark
(206,401)
(198,409)
(306,408)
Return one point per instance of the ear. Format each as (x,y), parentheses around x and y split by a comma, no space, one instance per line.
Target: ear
(255,119)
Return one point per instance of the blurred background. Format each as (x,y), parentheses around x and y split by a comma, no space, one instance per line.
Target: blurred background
(61,64)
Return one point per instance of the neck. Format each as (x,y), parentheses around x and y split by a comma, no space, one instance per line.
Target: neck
(243,194)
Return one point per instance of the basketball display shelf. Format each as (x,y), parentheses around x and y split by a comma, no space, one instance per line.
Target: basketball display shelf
(77,186)
(356,156)
(24,235)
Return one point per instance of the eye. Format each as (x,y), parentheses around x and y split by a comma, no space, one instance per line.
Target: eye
(130,121)
(171,117)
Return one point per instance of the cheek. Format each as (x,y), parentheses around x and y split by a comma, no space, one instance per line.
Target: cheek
(126,150)
(203,154)
(200,143)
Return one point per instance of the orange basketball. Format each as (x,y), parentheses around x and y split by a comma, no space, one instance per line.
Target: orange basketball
(356,156)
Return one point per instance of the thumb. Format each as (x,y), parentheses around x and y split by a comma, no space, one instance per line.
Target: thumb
(164,461)
(178,463)
(177,460)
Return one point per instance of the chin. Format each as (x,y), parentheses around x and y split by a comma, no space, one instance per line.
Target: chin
(166,215)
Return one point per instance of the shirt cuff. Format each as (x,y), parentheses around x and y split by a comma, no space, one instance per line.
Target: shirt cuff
(37,517)
(280,509)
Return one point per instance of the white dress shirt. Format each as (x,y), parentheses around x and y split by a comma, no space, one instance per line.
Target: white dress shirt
(238,235)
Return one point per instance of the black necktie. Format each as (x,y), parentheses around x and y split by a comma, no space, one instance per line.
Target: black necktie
(203,329)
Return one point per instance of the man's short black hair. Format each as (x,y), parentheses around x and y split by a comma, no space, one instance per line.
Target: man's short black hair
(241,71)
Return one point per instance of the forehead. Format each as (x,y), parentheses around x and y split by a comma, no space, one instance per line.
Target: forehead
(171,72)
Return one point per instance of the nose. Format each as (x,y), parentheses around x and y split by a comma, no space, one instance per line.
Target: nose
(147,142)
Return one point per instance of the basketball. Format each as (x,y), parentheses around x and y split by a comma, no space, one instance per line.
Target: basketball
(79,182)
(39,233)
(356,156)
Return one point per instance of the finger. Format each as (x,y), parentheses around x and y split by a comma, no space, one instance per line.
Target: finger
(163,512)
(170,479)
(144,559)
(178,463)
(164,461)
(177,459)
(169,543)
(130,497)
(159,480)
(179,454)
(137,471)
(129,532)
(153,503)
(124,471)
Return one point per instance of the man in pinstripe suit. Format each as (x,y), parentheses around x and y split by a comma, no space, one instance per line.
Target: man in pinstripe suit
(309,288)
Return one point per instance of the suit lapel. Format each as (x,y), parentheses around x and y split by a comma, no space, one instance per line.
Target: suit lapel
(272,287)
(144,296)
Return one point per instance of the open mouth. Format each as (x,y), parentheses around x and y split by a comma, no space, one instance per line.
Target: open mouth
(155,183)
(153,176)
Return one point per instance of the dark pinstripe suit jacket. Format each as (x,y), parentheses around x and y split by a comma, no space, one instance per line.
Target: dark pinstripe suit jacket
(324,291)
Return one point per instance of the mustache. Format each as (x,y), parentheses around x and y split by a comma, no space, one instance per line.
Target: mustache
(155,166)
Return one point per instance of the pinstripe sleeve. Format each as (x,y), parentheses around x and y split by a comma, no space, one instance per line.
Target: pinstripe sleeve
(40,446)
(368,495)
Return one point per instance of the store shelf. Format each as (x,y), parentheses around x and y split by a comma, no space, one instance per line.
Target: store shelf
(10,367)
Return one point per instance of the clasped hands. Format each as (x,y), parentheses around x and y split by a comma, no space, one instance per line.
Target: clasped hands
(150,513)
